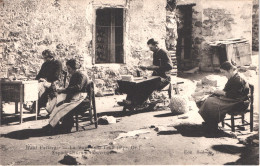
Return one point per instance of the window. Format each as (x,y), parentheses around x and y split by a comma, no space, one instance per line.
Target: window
(109,36)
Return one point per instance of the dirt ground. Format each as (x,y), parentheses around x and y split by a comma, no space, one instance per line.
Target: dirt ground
(180,139)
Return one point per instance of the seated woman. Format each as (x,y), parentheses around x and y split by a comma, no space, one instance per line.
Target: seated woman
(48,77)
(76,93)
(230,99)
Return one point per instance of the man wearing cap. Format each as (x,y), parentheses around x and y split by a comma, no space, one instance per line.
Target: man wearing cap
(48,75)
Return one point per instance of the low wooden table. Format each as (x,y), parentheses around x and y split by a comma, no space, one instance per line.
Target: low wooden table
(18,92)
(137,89)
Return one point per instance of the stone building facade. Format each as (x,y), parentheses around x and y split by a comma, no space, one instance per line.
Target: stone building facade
(255,24)
(75,29)
(68,28)
(219,20)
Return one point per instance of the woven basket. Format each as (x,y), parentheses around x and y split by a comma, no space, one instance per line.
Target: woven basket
(179,104)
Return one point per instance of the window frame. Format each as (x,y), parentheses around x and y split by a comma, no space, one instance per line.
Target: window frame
(95,8)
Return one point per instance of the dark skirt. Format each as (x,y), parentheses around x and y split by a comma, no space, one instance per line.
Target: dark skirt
(215,108)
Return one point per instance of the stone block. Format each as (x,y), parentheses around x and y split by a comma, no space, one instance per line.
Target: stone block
(214,80)
(105,120)
(77,158)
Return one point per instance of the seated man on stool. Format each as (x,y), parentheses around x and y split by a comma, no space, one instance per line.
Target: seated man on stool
(162,64)
(48,75)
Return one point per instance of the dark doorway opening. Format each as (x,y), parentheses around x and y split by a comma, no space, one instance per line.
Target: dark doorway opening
(184,42)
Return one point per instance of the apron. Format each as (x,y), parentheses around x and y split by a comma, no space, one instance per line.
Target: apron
(58,108)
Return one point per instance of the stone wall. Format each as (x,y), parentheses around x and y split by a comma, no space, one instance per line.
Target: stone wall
(30,26)
(255,17)
(221,19)
(171,25)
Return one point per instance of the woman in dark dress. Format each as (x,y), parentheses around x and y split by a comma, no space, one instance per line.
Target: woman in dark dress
(230,99)
(48,76)
(75,94)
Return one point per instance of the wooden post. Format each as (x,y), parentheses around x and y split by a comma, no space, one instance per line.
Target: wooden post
(21,103)
(232,123)
(251,120)
(94,106)
(77,122)
(16,107)
(252,108)
(223,123)
(90,113)
(36,109)
(243,119)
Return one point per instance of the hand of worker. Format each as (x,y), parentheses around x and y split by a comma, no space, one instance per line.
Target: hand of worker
(46,84)
(219,92)
(152,67)
(60,90)
(142,67)
(42,80)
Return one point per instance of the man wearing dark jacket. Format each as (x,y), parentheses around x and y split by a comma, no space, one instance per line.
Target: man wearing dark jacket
(162,63)
(48,75)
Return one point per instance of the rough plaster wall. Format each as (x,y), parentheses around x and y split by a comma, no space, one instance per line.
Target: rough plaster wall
(134,32)
(255,17)
(222,19)
(144,24)
(171,25)
(154,24)
(30,26)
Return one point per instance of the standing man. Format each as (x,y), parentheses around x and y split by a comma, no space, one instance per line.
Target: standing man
(48,75)
(162,63)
